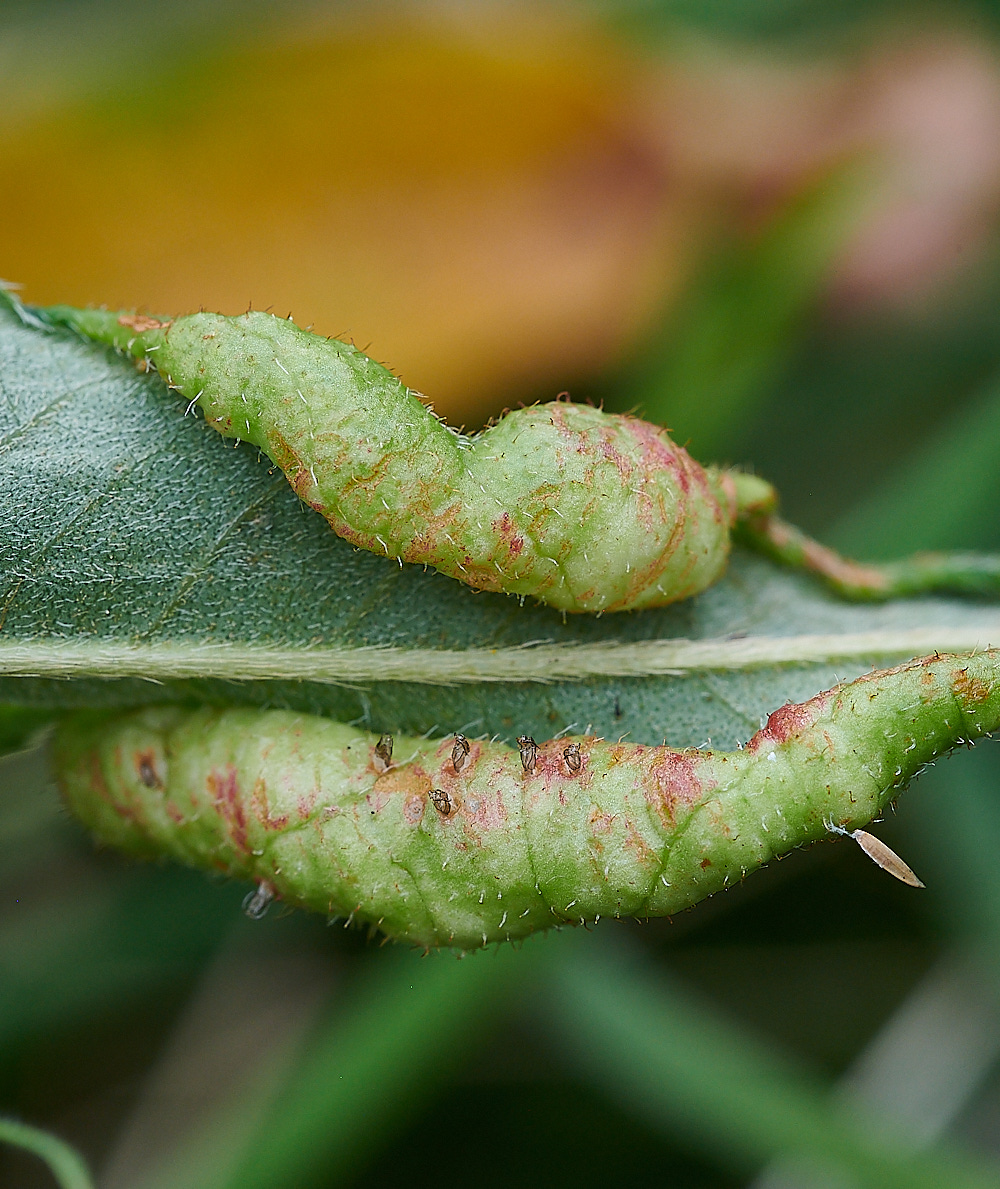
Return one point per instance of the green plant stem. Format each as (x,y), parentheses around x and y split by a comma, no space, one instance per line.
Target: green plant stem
(712,358)
(672,1060)
(947,488)
(18,724)
(972,574)
(65,1163)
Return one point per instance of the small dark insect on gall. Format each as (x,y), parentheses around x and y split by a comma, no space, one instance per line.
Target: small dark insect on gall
(442,802)
(501,833)
(571,754)
(147,771)
(460,753)
(383,752)
(529,752)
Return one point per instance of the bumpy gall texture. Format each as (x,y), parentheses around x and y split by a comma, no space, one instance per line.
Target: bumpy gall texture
(500,848)
(583,510)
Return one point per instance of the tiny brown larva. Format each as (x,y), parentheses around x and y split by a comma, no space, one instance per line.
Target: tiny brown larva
(147,771)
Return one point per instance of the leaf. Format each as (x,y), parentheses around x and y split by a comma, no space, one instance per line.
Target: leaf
(148,561)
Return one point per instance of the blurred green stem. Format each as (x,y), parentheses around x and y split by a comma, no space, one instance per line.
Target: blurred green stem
(412,1017)
(969,574)
(727,338)
(18,724)
(672,1060)
(66,1164)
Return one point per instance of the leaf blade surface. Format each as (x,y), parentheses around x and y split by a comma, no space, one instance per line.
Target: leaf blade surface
(144,560)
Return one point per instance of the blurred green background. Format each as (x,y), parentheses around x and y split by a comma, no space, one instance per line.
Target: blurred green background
(770,226)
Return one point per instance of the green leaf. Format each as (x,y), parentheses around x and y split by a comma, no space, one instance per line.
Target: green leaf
(148,561)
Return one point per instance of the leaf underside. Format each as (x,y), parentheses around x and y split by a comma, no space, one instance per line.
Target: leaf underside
(147,560)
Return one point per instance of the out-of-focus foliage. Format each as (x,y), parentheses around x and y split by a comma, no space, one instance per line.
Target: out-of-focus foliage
(497,201)
(463,202)
(505,201)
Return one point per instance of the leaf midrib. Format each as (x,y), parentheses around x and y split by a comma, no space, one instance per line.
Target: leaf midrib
(540,662)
